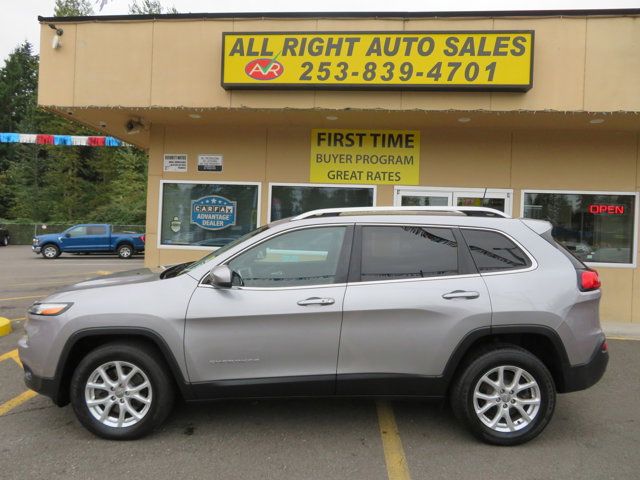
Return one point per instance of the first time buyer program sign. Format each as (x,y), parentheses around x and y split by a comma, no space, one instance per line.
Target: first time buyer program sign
(365,156)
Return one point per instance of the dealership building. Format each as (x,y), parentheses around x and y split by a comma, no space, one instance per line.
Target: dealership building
(248,118)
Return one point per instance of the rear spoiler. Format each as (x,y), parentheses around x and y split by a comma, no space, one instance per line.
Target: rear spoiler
(541,227)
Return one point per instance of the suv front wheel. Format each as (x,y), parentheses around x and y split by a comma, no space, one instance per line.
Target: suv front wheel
(505,396)
(120,391)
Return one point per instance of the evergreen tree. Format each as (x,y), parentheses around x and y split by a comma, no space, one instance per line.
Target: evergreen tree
(149,7)
(72,8)
(42,183)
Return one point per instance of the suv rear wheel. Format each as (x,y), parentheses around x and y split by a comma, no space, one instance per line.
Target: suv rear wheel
(505,396)
(120,391)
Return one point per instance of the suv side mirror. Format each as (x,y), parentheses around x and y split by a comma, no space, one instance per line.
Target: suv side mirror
(220,276)
(67,235)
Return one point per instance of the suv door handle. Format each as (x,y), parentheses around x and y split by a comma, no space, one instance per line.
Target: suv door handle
(316,301)
(460,294)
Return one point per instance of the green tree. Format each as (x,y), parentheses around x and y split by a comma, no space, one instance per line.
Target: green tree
(149,7)
(73,8)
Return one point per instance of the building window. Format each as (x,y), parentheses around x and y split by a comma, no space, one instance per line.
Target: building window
(204,214)
(596,227)
(410,252)
(288,200)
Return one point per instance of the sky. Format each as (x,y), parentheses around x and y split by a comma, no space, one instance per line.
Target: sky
(20,23)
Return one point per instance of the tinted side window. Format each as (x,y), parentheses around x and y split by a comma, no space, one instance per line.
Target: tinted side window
(407,252)
(96,230)
(493,252)
(78,232)
(302,257)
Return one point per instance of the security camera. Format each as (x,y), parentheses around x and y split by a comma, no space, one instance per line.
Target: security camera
(132,126)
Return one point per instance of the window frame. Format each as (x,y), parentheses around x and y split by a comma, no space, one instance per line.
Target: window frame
(330,185)
(466,266)
(636,195)
(161,246)
(454,192)
(344,263)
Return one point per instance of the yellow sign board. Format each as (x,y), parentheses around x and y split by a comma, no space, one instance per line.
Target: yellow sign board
(385,157)
(457,60)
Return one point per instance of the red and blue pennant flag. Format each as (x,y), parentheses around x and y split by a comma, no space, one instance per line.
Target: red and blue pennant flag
(61,140)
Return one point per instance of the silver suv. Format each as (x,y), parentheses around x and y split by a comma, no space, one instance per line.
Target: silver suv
(463,303)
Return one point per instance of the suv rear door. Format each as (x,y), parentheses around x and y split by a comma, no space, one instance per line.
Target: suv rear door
(413,295)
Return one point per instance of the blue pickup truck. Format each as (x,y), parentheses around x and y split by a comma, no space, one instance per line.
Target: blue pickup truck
(88,238)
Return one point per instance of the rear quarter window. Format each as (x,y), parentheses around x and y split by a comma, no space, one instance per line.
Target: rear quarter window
(494,252)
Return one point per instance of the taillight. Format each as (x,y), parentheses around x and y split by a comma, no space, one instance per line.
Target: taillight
(604,347)
(589,280)
(142,237)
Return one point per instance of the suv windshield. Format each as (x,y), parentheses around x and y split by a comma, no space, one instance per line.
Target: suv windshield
(187,267)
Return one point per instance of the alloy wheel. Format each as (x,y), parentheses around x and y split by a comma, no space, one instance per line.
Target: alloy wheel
(507,399)
(118,394)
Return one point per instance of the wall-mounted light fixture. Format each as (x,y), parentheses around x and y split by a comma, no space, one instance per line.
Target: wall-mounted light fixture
(56,42)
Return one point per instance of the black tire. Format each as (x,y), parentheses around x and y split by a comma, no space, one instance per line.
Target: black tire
(125,250)
(462,396)
(50,247)
(5,241)
(150,363)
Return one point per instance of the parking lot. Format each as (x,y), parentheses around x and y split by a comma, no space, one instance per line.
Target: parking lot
(594,434)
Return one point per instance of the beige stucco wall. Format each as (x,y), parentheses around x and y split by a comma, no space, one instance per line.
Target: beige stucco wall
(580,64)
(108,72)
(569,160)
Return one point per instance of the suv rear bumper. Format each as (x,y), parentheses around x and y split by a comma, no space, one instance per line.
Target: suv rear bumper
(580,377)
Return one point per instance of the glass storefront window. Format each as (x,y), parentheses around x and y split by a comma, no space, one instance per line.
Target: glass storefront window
(598,228)
(207,214)
(291,200)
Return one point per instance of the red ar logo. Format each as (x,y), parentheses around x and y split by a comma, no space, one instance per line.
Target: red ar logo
(264,69)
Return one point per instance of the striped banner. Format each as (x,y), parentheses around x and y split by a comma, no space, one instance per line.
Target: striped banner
(61,140)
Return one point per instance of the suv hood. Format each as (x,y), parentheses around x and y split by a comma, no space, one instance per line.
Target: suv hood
(129,277)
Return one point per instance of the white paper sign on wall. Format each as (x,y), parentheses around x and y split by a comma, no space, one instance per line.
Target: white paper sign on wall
(175,162)
(209,163)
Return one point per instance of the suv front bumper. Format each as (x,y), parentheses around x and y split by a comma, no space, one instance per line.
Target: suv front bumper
(580,377)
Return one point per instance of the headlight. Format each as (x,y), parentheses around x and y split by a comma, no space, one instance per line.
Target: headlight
(49,309)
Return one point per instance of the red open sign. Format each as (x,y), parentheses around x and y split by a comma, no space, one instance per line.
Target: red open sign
(606,209)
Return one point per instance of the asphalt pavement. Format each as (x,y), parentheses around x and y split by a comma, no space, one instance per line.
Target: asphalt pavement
(594,434)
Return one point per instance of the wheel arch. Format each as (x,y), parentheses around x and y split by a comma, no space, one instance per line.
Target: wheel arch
(541,341)
(84,341)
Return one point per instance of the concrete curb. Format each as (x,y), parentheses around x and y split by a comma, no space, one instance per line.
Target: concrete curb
(623,330)
(5,326)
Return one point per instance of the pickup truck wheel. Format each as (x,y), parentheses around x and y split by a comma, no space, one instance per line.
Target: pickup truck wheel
(505,396)
(5,241)
(125,251)
(50,251)
(120,391)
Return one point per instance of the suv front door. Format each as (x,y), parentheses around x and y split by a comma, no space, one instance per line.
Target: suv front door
(276,331)
(413,295)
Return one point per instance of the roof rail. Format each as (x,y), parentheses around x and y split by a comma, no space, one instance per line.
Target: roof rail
(468,211)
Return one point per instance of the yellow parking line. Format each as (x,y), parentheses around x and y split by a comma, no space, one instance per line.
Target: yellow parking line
(633,339)
(13,355)
(18,319)
(20,298)
(397,468)
(6,407)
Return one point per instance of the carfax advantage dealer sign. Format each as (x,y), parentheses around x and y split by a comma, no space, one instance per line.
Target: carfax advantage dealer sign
(477,60)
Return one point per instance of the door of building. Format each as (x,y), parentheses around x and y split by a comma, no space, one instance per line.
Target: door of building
(500,199)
